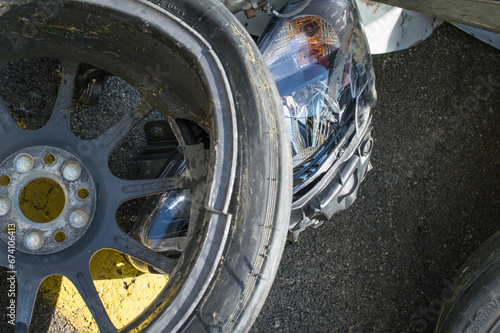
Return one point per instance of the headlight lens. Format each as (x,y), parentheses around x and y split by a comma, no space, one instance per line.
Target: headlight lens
(322,68)
(299,59)
(301,42)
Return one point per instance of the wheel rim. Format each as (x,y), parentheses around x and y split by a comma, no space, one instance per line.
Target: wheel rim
(209,174)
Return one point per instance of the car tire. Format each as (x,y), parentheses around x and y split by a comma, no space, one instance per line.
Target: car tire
(476,306)
(235,250)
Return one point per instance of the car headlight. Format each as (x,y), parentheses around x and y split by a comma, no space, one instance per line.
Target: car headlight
(322,67)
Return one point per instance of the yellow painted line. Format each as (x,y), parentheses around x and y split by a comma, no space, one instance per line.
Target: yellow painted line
(125,292)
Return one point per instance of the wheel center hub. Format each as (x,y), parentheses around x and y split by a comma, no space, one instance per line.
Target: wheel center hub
(42,200)
(50,197)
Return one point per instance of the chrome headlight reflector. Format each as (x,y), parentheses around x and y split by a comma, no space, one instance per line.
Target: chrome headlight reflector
(322,67)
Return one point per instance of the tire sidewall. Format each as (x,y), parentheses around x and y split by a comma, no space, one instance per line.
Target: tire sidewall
(261,201)
(476,306)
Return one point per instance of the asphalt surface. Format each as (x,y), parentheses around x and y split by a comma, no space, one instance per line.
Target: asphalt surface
(430,201)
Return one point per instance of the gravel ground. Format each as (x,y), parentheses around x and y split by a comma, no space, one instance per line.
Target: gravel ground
(430,201)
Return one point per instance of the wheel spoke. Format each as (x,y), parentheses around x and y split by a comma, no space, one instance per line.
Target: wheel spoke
(113,136)
(197,160)
(85,286)
(26,296)
(61,112)
(174,244)
(7,122)
(128,245)
(177,131)
(131,189)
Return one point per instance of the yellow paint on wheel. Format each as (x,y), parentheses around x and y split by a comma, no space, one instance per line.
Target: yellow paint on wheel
(124,291)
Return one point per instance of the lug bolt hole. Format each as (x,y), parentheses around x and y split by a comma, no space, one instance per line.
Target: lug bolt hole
(10,229)
(5,180)
(83,193)
(60,237)
(49,159)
